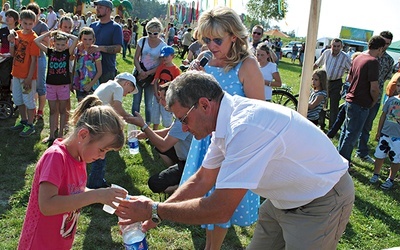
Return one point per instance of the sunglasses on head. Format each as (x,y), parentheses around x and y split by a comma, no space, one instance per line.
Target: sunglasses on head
(257,33)
(152,33)
(217,41)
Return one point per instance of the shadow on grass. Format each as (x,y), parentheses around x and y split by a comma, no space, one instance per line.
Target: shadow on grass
(16,154)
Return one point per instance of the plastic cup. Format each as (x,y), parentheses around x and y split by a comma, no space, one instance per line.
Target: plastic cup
(108,208)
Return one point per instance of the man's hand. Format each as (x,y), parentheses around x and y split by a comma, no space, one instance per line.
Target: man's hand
(137,208)
(93,49)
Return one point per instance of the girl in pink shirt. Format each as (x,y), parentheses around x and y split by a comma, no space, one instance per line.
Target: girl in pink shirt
(59,186)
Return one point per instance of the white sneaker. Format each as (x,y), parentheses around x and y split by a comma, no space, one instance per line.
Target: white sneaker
(374,178)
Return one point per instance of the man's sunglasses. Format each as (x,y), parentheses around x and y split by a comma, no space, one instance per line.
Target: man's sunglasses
(257,33)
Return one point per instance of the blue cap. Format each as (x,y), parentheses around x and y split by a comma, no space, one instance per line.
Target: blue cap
(106,3)
(167,51)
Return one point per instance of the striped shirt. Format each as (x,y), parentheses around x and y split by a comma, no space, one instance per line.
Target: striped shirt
(334,66)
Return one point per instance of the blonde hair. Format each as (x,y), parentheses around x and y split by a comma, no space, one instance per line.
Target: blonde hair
(99,120)
(219,21)
(154,23)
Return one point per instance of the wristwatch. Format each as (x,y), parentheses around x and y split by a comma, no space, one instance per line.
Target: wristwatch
(154,214)
(144,127)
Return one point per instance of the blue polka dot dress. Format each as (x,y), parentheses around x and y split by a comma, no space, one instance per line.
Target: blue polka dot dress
(247,211)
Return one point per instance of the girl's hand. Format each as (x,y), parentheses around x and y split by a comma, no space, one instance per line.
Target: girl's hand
(88,87)
(110,195)
(195,65)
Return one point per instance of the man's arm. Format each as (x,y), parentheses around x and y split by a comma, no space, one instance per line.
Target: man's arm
(184,207)
(374,91)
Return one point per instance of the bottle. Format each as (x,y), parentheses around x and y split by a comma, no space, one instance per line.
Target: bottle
(133,237)
(133,141)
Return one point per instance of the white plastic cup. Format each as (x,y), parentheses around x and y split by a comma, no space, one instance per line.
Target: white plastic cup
(108,208)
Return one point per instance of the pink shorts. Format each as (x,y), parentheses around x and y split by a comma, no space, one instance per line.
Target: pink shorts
(57,92)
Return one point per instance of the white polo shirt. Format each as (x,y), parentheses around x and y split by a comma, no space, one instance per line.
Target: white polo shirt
(273,151)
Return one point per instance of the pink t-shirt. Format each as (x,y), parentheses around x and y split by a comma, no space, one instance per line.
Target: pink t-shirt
(59,168)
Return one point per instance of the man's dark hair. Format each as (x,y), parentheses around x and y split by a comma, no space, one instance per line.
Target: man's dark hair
(376,42)
(33,7)
(386,34)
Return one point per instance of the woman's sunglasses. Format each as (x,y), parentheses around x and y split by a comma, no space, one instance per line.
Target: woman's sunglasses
(217,41)
(153,33)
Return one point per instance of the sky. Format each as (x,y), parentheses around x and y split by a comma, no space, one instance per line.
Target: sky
(363,14)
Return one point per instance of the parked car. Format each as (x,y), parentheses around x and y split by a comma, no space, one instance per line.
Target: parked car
(287,49)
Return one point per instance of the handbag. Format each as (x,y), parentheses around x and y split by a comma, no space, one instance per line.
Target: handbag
(143,82)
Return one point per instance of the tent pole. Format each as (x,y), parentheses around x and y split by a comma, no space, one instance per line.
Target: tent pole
(309,55)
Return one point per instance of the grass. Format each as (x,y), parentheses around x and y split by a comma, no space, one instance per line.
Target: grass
(373,223)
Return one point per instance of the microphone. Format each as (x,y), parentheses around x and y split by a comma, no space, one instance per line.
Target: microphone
(206,58)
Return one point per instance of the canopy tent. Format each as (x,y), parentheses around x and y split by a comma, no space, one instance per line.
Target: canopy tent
(394,47)
(275,33)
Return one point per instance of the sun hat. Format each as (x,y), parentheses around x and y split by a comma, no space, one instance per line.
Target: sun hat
(129,77)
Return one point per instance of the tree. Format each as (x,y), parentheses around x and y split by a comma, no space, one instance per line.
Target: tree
(266,9)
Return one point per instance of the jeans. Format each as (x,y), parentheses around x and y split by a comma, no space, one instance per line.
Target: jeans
(124,48)
(96,176)
(363,149)
(353,124)
(338,123)
(41,75)
(107,76)
(334,88)
(148,101)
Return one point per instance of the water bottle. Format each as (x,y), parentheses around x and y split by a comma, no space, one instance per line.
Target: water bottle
(133,237)
(133,141)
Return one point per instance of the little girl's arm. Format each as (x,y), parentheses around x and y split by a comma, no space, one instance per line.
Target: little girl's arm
(316,102)
(38,40)
(74,43)
(51,203)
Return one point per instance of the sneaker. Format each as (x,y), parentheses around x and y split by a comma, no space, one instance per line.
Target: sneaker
(28,130)
(18,127)
(374,178)
(387,185)
(367,158)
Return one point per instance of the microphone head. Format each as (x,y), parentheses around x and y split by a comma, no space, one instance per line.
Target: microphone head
(206,58)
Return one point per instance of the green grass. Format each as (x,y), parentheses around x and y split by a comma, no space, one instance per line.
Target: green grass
(373,223)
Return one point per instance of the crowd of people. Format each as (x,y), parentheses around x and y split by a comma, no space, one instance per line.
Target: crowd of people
(214,173)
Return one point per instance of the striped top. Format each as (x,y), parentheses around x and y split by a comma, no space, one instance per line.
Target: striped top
(334,66)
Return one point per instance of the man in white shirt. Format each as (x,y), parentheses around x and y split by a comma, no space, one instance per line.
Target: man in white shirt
(336,63)
(51,18)
(258,146)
